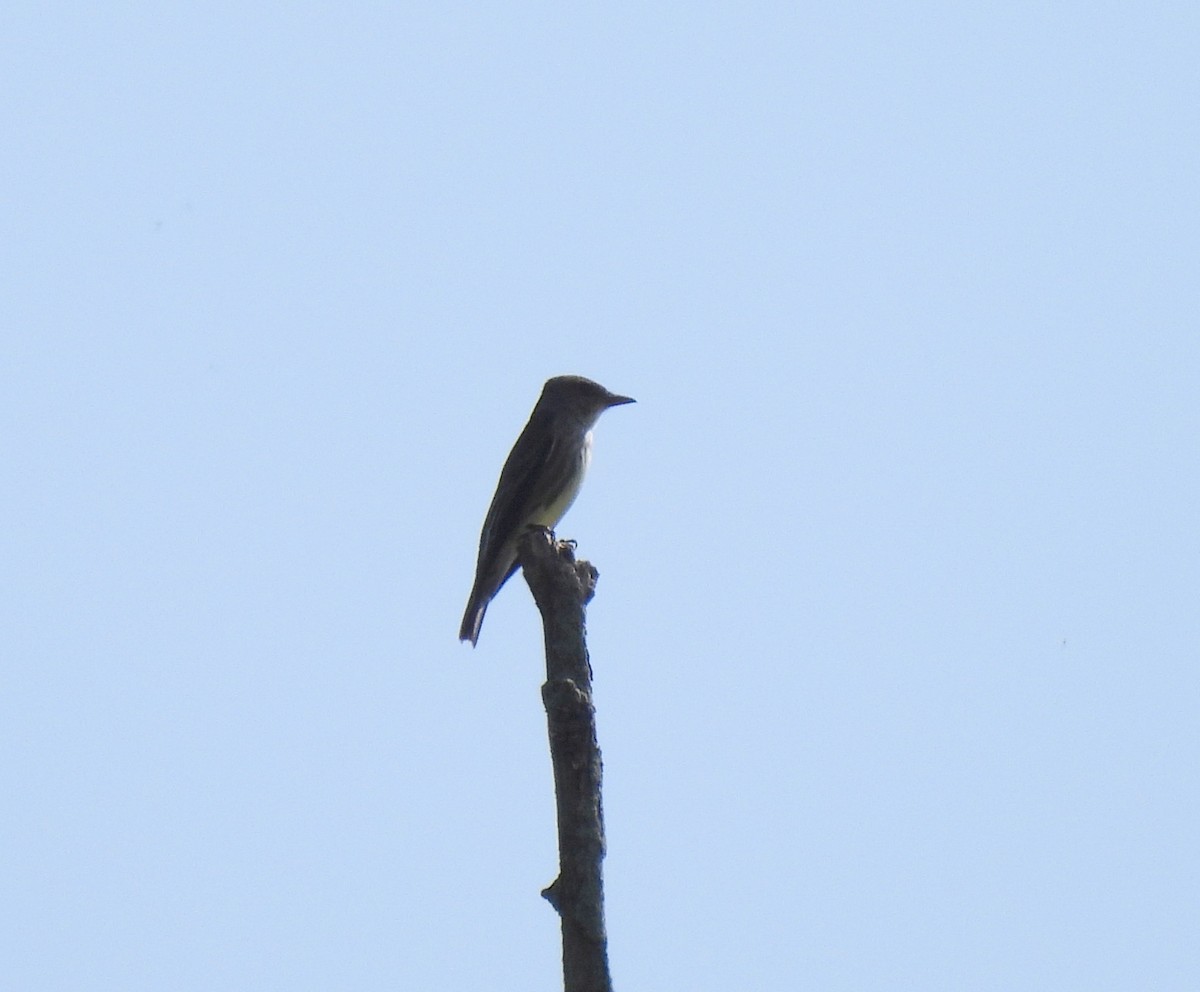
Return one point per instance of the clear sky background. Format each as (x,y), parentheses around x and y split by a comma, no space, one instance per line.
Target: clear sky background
(898,624)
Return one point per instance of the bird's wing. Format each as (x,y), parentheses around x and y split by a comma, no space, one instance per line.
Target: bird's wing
(516,492)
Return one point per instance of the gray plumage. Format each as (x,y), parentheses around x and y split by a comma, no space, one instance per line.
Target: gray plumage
(538,483)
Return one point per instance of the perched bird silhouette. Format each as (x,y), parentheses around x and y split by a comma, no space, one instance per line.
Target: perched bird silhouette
(538,483)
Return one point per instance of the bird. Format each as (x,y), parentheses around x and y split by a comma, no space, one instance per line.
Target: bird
(538,484)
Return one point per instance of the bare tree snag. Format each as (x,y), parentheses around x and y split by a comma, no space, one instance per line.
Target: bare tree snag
(562,587)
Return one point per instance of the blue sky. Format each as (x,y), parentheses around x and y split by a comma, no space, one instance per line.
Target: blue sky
(896,635)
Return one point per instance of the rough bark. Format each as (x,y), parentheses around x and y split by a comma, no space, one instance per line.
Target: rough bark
(562,587)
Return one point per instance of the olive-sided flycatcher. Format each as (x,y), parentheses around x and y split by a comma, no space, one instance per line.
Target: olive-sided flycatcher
(538,483)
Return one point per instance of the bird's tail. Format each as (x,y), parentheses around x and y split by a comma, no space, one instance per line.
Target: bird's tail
(473,619)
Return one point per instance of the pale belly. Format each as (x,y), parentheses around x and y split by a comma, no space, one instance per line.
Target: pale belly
(549,516)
